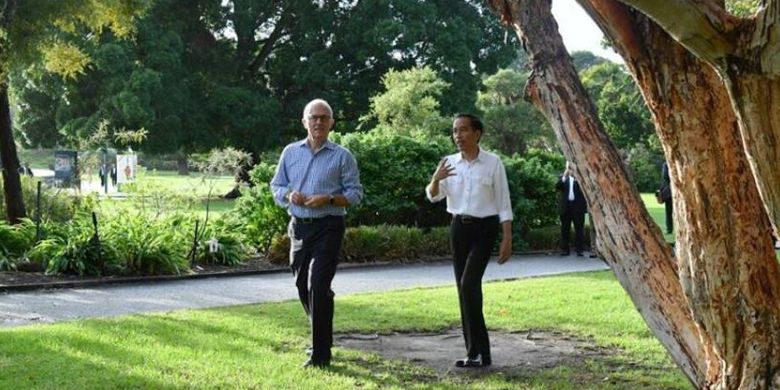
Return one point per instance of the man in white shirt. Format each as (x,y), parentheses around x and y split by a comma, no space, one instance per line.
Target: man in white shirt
(475,185)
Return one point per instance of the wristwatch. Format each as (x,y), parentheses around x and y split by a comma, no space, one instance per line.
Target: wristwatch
(331,200)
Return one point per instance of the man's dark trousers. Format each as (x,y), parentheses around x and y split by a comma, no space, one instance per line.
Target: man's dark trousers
(669,208)
(472,243)
(574,215)
(314,253)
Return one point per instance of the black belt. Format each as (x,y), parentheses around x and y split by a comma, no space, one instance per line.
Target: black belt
(304,221)
(467,219)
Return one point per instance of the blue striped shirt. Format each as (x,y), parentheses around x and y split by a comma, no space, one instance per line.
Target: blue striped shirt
(332,170)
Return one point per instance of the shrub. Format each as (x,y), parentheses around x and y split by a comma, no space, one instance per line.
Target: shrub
(261,218)
(645,167)
(548,238)
(72,248)
(365,244)
(15,242)
(394,170)
(130,242)
(230,250)
(56,205)
(146,245)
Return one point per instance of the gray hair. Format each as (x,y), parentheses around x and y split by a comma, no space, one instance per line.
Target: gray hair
(314,102)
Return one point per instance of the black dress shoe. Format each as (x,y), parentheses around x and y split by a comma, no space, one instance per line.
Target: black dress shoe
(472,362)
(565,253)
(316,363)
(593,255)
(579,254)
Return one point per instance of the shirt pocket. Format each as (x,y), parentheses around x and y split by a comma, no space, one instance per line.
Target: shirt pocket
(486,181)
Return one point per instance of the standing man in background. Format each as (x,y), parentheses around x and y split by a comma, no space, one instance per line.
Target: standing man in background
(475,185)
(316,180)
(572,208)
(665,193)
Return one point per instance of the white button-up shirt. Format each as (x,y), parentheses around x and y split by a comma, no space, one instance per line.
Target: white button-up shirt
(479,188)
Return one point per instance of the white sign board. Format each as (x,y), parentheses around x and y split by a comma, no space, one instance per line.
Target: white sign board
(126,165)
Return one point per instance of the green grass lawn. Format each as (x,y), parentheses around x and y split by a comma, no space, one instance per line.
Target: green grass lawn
(195,184)
(261,346)
(658,213)
(167,191)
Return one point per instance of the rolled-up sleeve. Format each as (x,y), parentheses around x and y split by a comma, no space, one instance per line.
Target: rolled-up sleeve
(280,183)
(350,179)
(503,201)
(442,191)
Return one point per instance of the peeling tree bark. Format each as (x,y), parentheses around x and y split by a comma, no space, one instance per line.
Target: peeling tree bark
(746,54)
(718,298)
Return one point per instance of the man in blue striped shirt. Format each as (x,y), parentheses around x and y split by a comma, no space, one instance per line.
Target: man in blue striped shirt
(316,180)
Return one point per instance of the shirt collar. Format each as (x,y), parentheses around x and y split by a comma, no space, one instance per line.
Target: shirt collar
(459,156)
(327,145)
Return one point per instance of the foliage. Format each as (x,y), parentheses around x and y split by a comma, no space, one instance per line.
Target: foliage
(214,74)
(511,123)
(410,103)
(532,190)
(583,59)
(645,168)
(364,244)
(227,233)
(226,161)
(394,170)
(73,248)
(56,206)
(621,107)
(147,245)
(15,241)
(742,7)
(262,218)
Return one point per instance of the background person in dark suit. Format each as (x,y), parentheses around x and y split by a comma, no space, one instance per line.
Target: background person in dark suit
(572,208)
(665,194)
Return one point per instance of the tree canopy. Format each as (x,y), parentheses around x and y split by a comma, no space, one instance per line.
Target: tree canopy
(207,74)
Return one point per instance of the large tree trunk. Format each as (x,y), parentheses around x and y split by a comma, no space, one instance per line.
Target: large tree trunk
(727,265)
(744,52)
(719,301)
(12,185)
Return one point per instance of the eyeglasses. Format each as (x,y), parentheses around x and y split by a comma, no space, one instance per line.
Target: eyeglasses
(314,118)
(457,130)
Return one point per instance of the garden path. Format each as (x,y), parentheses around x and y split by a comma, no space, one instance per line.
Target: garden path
(46,306)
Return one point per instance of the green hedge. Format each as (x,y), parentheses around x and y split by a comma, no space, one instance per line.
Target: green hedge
(394,171)
(55,204)
(367,244)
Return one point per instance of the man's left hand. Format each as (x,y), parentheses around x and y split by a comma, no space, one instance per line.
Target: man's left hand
(316,201)
(505,250)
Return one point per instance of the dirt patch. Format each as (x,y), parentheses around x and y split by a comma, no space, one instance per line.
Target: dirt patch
(513,353)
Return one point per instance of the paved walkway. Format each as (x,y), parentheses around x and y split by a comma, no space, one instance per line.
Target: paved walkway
(25,308)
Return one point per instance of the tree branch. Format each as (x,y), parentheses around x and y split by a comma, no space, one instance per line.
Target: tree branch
(268,46)
(704,27)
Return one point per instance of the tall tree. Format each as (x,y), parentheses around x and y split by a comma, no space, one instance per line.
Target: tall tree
(203,73)
(715,305)
(619,104)
(512,123)
(29,31)
(410,103)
